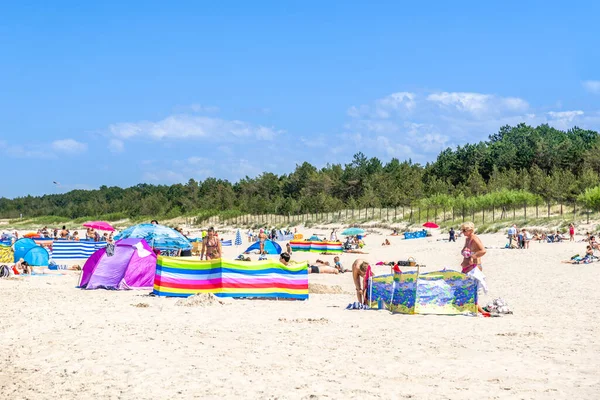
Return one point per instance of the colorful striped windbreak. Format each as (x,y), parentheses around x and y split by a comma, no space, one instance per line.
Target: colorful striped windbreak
(317,247)
(181,277)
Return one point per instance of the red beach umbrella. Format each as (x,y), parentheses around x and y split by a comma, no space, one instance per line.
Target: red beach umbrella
(430,225)
(100,225)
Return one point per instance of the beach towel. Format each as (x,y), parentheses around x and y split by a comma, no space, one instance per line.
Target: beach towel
(478,275)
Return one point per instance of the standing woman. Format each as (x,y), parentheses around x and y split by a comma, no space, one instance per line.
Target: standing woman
(211,246)
(472,252)
(571,232)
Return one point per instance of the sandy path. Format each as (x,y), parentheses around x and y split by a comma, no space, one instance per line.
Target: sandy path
(60,342)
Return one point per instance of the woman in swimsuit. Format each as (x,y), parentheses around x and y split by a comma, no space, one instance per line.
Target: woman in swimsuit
(472,253)
(211,246)
(473,249)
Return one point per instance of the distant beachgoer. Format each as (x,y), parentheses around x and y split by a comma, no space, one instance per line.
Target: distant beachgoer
(386,243)
(452,235)
(154,222)
(526,238)
(64,233)
(76,236)
(211,246)
(512,233)
(333,237)
(262,237)
(571,232)
(288,248)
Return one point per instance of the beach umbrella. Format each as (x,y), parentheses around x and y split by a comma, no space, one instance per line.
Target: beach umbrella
(238,238)
(353,232)
(101,225)
(431,225)
(157,236)
(31,235)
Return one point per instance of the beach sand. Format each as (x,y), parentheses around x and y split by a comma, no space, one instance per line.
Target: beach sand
(59,342)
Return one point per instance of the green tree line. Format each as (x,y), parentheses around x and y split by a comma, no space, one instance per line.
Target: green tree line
(518,165)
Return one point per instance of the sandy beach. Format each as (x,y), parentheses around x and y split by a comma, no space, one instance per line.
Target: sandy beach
(57,341)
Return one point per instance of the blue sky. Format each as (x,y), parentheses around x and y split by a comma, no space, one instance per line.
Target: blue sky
(119,94)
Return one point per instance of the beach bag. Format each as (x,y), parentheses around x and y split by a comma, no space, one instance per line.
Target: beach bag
(4,271)
(411,262)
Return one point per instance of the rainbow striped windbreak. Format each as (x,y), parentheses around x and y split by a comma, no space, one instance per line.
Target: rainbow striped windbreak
(317,247)
(182,277)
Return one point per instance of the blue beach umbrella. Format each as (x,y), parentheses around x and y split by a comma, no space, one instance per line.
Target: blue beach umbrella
(157,236)
(238,238)
(353,232)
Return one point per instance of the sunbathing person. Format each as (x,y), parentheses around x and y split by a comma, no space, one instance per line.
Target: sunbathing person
(588,258)
(386,243)
(321,267)
(22,267)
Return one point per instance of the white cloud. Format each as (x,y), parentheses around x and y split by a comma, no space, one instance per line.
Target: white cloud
(592,86)
(69,146)
(164,176)
(198,108)
(196,160)
(192,127)
(565,115)
(399,103)
(116,145)
(478,103)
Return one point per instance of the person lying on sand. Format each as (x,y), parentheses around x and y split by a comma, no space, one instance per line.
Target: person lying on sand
(588,258)
(22,267)
(322,267)
(355,251)
(359,270)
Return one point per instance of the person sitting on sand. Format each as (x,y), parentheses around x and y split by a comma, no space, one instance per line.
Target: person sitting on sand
(338,265)
(359,270)
(76,236)
(288,248)
(394,233)
(593,243)
(386,243)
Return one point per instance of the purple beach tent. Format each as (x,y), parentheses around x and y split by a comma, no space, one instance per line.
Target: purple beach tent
(132,266)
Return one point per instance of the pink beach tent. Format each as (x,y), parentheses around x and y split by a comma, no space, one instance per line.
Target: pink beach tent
(132,266)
